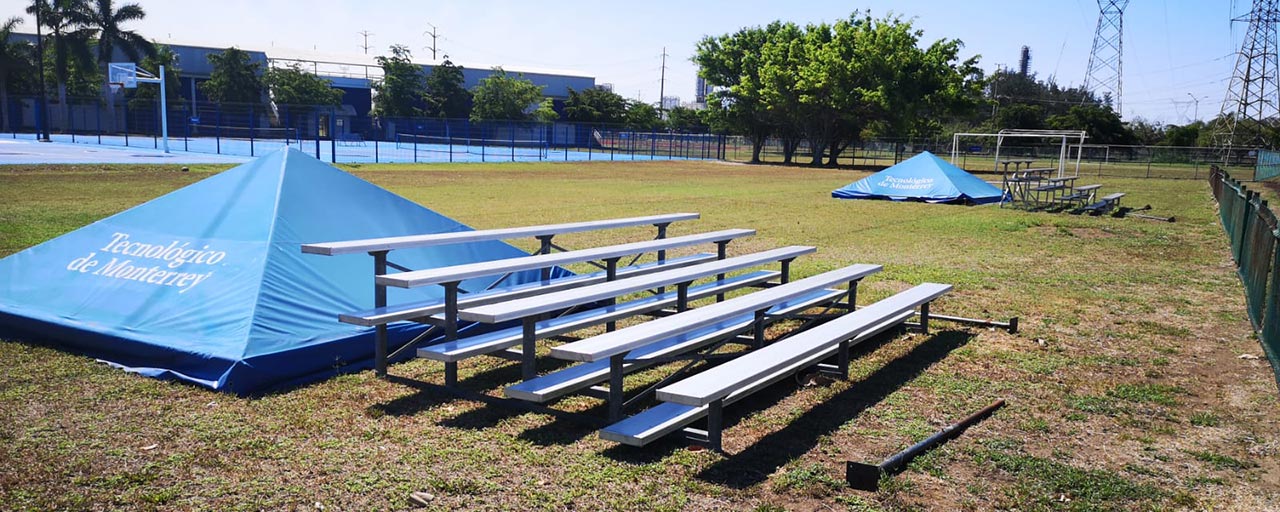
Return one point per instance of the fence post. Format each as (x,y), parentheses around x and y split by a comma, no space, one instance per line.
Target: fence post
(217,129)
(333,136)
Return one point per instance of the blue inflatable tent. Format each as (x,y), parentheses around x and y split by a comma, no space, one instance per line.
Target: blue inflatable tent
(208,284)
(923,177)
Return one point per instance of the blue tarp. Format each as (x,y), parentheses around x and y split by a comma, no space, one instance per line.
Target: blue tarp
(208,284)
(923,177)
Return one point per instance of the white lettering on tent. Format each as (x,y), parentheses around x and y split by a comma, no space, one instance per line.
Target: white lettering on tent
(907,183)
(169,266)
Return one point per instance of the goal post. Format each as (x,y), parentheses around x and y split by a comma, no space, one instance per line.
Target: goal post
(1065,136)
(128,76)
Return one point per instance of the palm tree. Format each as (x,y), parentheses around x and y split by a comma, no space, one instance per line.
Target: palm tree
(102,17)
(15,60)
(65,21)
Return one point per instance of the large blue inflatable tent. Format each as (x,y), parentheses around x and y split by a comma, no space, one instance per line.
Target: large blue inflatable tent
(923,177)
(208,284)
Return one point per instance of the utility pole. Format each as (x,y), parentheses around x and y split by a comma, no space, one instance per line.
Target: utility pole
(1106,60)
(366,35)
(43,105)
(433,35)
(662,83)
(1197,100)
(1252,93)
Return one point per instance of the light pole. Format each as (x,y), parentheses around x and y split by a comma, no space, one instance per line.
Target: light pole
(1197,111)
(43,119)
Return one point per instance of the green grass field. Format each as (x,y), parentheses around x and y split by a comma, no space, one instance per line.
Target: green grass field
(1126,388)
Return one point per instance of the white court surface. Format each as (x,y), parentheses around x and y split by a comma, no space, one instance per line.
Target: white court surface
(27,151)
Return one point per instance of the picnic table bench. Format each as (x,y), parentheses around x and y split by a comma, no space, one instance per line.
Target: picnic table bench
(1017,163)
(379,248)
(706,393)
(531,311)
(696,328)
(1081,194)
(1105,204)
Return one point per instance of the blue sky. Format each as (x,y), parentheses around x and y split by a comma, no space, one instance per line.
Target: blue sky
(1177,52)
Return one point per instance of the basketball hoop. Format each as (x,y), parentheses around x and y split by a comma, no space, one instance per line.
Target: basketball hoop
(115,87)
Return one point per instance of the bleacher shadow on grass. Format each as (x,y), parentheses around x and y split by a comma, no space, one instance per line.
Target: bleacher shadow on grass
(754,464)
(734,414)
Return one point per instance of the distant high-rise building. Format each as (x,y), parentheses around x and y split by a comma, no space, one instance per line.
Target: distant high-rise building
(700,91)
(1024,62)
(670,102)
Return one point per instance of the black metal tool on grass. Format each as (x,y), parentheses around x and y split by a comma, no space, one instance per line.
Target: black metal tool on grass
(1130,213)
(867,476)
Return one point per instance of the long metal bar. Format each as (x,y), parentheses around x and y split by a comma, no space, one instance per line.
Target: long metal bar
(867,476)
(1011,325)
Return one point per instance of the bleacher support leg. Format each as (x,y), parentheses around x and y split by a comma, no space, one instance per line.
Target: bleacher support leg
(924,317)
(715,423)
(380,301)
(759,329)
(545,249)
(786,271)
(529,347)
(451,373)
(721,252)
(842,359)
(853,295)
(682,297)
(611,274)
(616,397)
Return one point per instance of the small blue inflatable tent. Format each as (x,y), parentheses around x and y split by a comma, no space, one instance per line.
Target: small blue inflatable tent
(208,284)
(923,177)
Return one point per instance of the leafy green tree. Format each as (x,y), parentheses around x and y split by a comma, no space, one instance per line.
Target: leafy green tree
(731,63)
(546,112)
(1188,135)
(684,119)
(1008,88)
(795,104)
(1146,133)
(401,88)
(446,96)
(1020,116)
(291,85)
(595,105)
(105,22)
(643,116)
(500,96)
(235,79)
(17,61)
(1102,124)
(69,41)
(147,95)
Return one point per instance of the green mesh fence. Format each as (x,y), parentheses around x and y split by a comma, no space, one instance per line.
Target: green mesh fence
(1268,165)
(1252,229)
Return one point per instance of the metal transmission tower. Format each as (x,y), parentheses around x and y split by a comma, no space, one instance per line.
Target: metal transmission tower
(1106,61)
(1252,96)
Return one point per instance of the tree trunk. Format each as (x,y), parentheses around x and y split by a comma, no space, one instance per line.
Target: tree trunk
(757,144)
(817,149)
(62,104)
(4,103)
(834,159)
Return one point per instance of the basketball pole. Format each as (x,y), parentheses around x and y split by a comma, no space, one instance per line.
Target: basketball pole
(164,105)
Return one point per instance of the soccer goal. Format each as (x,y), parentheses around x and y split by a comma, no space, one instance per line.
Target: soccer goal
(1068,139)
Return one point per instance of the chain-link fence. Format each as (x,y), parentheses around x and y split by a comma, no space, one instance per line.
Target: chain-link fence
(1166,162)
(340,134)
(1251,227)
